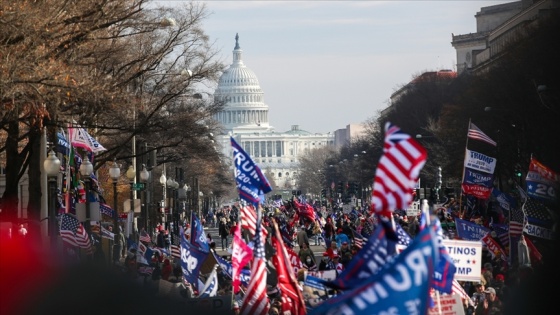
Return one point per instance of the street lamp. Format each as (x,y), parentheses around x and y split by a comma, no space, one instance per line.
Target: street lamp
(52,168)
(131,175)
(144,176)
(86,169)
(115,173)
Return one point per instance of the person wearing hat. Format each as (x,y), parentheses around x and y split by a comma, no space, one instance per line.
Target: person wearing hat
(491,304)
(345,254)
(478,296)
(326,262)
(341,237)
(337,264)
(223,230)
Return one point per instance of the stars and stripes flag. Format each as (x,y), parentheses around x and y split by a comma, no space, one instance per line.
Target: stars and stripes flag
(73,233)
(460,291)
(476,134)
(255,301)
(397,172)
(537,213)
(249,220)
(286,278)
(516,222)
(358,239)
(175,251)
(145,237)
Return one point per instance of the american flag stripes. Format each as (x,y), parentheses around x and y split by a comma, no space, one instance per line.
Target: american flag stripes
(255,301)
(176,251)
(359,240)
(145,237)
(397,171)
(249,220)
(73,233)
(516,222)
(477,134)
(458,289)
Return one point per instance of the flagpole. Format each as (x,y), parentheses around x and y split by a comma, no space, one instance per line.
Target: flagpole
(425,209)
(463,176)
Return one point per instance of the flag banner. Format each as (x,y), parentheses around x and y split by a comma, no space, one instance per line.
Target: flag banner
(249,220)
(295,261)
(397,171)
(542,182)
(68,227)
(493,247)
(107,234)
(407,277)
(470,231)
(476,134)
(210,288)
(445,269)
(460,291)
(227,268)
(80,138)
(502,233)
(198,238)
(251,182)
(62,144)
(176,251)
(538,213)
(473,177)
(141,248)
(477,191)
(145,237)
(287,282)
(83,240)
(314,291)
(106,210)
(366,263)
(467,257)
(536,256)
(448,304)
(480,162)
(506,201)
(191,260)
(358,239)
(255,301)
(240,256)
(145,270)
(304,210)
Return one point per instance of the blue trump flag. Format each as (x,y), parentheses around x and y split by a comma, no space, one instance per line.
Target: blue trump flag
(367,262)
(445,269)
(227,268)
(251,182)
(191,260)
(198,238)
(402,286)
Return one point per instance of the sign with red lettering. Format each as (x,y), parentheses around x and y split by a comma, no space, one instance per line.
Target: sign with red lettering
(448,304)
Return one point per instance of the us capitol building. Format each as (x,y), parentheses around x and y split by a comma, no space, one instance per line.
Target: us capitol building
(245,118)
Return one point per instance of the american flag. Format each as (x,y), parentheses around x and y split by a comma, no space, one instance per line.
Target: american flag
(397,172)
(176,251)
(68,227)
(516,222)
(255,301)
(145,270)
(145,237)
(359,240)
(83,240)
(460,291)
(477,134)
(249,220)
(537,213)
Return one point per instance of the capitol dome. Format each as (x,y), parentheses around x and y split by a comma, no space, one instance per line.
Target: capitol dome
(239,88)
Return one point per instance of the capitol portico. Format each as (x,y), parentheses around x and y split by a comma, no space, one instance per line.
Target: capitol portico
(245,118)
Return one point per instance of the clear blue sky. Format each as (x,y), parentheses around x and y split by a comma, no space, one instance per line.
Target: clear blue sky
(325,64)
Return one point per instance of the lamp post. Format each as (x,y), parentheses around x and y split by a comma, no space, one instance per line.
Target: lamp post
(163,182)
(52,167)
(201,195)
(144,176)
(86,169)
(131,175)
(115,173)
(171,184)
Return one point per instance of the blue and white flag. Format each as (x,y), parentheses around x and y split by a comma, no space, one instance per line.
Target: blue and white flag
(402,286)
(251,182)
(227,268)
(198,238)
(367,262)
(470,231)
(445,269)
(62,144)
(211,286)
(191,260)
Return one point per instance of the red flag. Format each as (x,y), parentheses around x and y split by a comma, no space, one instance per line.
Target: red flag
(305,210)
(294,260)
(82,238)
(397,172)
(286,279)
(240,256)
(536,256)
(255,301)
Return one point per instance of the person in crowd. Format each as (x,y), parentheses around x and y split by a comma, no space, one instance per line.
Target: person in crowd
(499,285)
(333,250)
(487,273)
(160,239)
(338,266)
(329,232)
(302,236)
(22,231)
(309,263)
(478,296)
(341,237)
(305,251)
(317,233)
(326,262)
(345,254)
(119,246)
(223,230)
(209,238)
(468,307)
(130,263)
(166,269)
(491,305)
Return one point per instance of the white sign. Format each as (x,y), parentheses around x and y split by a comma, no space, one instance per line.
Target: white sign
(447,305)
(467,256)
(480,162)
(413,209)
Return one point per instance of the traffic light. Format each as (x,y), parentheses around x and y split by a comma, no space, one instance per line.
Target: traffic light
(339,188)
(323,193)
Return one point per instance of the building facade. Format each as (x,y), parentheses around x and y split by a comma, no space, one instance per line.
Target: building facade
(245,118)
